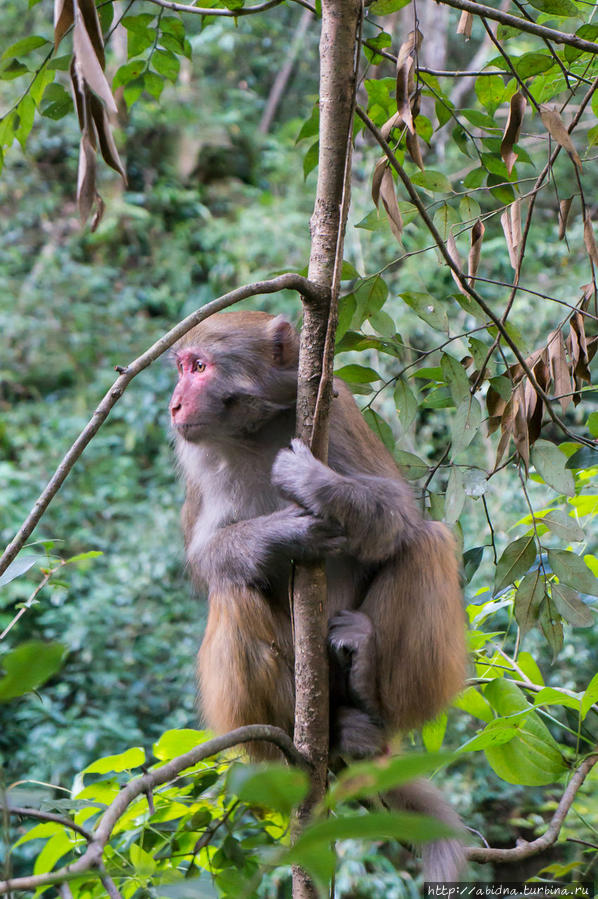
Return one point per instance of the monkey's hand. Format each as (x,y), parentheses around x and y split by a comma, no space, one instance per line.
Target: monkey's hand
(301,478)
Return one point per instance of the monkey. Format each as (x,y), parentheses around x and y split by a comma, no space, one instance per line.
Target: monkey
(257,501)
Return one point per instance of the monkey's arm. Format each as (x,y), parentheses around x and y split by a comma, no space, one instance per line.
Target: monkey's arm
(375,513)
(250,552)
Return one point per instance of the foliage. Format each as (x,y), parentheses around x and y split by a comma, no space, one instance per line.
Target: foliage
(489,363)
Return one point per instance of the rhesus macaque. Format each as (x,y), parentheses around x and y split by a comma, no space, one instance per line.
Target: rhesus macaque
(253,505)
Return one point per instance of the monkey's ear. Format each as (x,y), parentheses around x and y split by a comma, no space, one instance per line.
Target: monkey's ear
(285,342)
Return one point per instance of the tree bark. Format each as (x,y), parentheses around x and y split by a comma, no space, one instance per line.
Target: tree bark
(338,44)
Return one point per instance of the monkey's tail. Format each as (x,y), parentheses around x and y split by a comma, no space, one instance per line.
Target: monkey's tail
(443,860)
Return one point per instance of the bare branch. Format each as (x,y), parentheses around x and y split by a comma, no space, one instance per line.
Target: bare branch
(26,812)
(92,857)
(525,849)
(202,11)
(550,34)
(313,295)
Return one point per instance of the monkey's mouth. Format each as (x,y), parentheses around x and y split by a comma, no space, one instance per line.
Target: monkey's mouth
(191,431)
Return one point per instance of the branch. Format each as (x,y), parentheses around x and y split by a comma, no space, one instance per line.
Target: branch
(26,812)
(550,34)
(462,279)
(201,11)
(92,857)
(313,295)
(525,849)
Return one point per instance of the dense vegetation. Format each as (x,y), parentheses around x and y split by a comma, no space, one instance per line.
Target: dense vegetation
(212,202)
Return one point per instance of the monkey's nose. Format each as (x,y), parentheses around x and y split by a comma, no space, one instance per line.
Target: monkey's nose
(174,408)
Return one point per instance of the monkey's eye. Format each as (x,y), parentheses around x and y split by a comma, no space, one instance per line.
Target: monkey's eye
(199,366)
(179,366)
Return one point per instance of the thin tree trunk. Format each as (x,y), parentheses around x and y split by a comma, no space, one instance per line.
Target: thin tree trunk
(280,82)
(338,43)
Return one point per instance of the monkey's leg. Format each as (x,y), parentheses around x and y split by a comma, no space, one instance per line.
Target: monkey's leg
(245,666)
(415,604)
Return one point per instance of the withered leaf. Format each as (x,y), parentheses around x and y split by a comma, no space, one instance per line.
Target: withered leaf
(454,254)
(473,260)
(98,214)
(413,148)
(557,130)
(105,138)
(389,125)
(88,66)
(559,368)
(564,208)
(512,130)
(520,427)
(379,170)
(589,239)
(405,84)
(88,11)
(389,199)
(64,16)
(409,47)
(465,23)
(86,177)
(511,225)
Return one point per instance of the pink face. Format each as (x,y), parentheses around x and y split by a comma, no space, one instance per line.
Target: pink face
(195,374)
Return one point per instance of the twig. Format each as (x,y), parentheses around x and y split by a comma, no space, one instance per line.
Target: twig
(202,11)
(525,849)
(288,281)
(92,857)
(550,34)
(26,812)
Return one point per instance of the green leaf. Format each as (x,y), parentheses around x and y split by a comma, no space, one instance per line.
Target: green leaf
(26,114)
(570,607)
(28,667)
(584,458)
(310,160)
(128,72)
(382,323)
(532,757)
(178,742)
(133,90)
(405,404)
(384,7)
(552,627)
(153,84)
(490,91)
(530,594)
(550,464)
(496,733)
(17,568)
(573,571)
(427,308)
(590,697)
(346,310)
(369,778)
(563,8)
(533,64)
(276,786)
(56,847)
(166,63)
(565,527)
(138,41)
(552,696)
(455,496)
(517,558)
(436,182)
(455,377)
(370,295)
(24,46)
(472,559)
(411,465)
(433,732)
(357,374)
(143,862)
(465,425)
(381,428)
(123,761)
(472,702)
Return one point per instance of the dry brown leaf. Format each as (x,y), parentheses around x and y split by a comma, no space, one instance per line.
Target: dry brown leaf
(465,23)
(64,16)
(587,292)
(512,130)
(389,199)
(520,427)
(389,125)
(86,178)
(559,368)
(98,214)
(379,170)
(405,84)
(564,208)
(91,20)
(557,130)
(511,225)
(412,144)
(454,254)
(105,138)
(475,251)
(87,65)
(589,239)
(409,47)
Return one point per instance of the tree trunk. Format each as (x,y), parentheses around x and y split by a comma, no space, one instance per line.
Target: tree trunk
(340,25)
